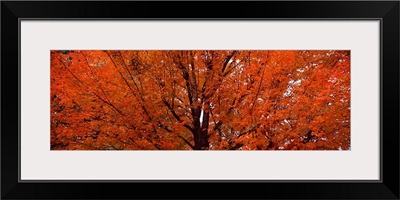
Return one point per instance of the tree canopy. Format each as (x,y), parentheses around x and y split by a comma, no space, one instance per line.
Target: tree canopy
(200,100)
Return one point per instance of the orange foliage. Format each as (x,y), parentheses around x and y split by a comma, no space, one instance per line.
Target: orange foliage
(202,100)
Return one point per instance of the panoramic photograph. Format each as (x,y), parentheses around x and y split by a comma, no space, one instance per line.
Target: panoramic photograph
(200,100)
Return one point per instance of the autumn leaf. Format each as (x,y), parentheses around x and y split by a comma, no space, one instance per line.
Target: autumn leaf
(200,100)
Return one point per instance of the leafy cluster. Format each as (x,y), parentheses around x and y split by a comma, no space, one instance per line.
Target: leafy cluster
(201,100)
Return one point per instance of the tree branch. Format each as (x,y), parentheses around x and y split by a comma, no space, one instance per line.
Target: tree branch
(176,115)
(110,104)
(187,142)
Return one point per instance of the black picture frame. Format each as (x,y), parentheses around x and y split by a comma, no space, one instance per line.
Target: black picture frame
(386,11)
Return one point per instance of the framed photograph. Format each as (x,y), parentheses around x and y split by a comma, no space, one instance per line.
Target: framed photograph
(114,98)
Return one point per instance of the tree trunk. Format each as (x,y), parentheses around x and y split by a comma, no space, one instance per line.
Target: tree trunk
(200,132)
(201,141)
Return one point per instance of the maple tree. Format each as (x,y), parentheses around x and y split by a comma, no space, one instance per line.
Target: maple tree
(200,100)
